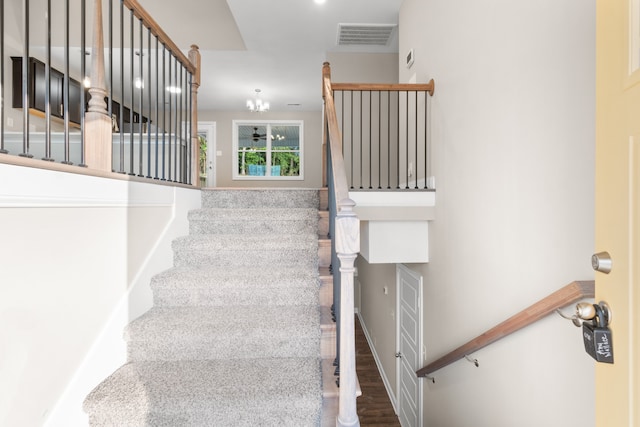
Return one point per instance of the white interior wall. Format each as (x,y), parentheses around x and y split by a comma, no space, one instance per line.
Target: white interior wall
(363,67)
(77,254)
(513,155)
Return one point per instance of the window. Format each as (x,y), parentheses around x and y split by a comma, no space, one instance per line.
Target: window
(276,144)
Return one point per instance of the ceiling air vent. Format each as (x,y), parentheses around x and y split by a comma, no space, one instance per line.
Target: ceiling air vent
(365,34)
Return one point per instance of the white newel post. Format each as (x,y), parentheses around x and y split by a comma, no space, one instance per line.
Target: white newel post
(347,230)
(195,59)
(97,135)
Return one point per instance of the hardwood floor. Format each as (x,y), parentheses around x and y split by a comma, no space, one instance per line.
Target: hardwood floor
(374,406)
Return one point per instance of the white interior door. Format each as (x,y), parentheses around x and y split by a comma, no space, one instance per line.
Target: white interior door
(409,343)
(207,130)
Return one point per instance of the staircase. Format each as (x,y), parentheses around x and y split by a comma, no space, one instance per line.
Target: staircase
(233,338)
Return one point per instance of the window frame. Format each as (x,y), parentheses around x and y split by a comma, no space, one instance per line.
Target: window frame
(267,124)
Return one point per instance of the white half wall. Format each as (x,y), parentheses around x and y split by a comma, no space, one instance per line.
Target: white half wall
(76,254)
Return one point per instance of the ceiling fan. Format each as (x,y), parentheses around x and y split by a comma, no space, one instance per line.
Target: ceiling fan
(256,136)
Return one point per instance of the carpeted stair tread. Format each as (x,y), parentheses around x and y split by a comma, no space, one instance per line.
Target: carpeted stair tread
(171,333)
(259,214)
(253,221)
(237,392)
(214,275)
(213,286)
(260,198)
(306,241)
(232,251)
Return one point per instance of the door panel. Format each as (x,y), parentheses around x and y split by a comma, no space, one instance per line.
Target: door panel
(617,206)
(409,345)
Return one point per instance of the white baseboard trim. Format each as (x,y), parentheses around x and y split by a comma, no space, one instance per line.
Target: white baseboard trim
(383,374)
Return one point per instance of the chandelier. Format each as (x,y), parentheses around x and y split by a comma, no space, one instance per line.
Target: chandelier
(257,105)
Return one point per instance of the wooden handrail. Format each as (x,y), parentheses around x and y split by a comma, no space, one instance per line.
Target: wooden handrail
(381,87)
(571,293)
(156,30)
(335,138)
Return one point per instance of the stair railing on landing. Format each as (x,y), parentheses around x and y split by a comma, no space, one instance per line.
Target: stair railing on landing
(569,294)
(143,125)
(344,228)
(385,135)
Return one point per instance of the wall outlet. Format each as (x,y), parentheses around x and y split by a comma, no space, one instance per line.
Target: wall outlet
(9,122)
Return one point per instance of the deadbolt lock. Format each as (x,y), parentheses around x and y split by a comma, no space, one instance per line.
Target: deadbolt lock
(602,262)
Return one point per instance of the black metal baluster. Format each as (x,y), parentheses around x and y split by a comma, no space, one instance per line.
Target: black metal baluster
(416,143)
(426,171)
(164,114)
(370,138)
(176,140)
(190,141)
(132,95)
(149,100)
(406,139)
(25,83)
(351,140)
(170,89)
(379,137)
(47,90)
(342,118)
(157,141)
(110,97)
(180,138)
(65,88)
(141,102)
(361,135)
(398,144)
(83,74)
(121,117)
(389,140)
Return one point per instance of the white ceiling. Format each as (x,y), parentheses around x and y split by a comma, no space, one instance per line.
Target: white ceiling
(277,46)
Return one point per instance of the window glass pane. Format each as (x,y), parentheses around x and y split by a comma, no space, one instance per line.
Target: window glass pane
(252,136)
(251,162)
(285,163)
(285,137)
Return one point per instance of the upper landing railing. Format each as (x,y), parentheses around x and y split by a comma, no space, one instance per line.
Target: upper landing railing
(112,93)
(385,136)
